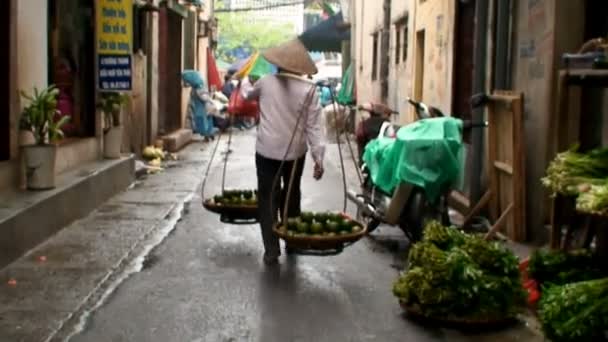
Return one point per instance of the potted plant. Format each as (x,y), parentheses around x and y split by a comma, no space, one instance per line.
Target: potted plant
(111,104)
(38,117)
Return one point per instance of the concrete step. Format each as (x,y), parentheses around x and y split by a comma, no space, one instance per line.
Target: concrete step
(177,140)
(28,218)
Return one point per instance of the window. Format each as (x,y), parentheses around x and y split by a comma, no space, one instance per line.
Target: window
(375,57)
(398,45)
(405,38)
(401,43)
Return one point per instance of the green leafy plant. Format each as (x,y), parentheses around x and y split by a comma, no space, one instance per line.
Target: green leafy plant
(560,267)
(39,115)
(453,274)
(576,311)
(111,105)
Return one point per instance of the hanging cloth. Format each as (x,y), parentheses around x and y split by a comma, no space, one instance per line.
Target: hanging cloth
(213,73)
(346,96)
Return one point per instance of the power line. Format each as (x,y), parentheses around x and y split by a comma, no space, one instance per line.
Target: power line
(264,7)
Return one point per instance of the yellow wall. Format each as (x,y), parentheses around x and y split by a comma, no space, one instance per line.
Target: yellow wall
(369,20)
(437,19)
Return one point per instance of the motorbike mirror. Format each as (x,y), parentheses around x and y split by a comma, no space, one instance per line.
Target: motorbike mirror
(479,100)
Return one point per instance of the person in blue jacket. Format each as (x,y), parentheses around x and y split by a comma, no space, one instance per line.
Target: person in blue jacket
(202,123)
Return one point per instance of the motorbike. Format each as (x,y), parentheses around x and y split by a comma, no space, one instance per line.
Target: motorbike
(408,207)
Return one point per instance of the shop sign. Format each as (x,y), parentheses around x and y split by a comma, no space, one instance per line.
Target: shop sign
(114,44)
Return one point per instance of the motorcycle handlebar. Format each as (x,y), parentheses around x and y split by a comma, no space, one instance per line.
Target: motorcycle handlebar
(468,124)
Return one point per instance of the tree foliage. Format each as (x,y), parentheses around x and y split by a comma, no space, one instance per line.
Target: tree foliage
(237,31)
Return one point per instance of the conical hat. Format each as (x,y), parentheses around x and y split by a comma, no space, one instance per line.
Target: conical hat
(291,56)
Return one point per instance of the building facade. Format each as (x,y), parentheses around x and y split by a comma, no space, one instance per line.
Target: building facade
(433,49)
(53,42)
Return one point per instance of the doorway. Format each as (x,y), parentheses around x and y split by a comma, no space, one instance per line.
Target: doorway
(419,68)
(169,72)
(72,63)
(463,59)
(5,113)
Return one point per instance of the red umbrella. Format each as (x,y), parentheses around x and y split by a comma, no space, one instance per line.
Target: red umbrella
(213,74)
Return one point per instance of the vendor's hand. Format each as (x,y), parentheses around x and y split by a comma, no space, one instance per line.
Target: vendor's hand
(318,171)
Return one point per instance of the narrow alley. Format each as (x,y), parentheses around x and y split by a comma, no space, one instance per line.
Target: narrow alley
(205,281)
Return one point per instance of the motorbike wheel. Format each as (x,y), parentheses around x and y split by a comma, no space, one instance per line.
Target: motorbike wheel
(416,214)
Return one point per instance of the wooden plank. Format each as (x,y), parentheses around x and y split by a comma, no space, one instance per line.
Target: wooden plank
(504,167)
(492,155)
(500,222)
(520,232)
(485,199)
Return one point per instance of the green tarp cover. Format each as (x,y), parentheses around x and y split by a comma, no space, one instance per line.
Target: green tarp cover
(346,94)
(426,153)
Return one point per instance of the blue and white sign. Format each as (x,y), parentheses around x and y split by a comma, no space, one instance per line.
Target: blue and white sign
(114,72)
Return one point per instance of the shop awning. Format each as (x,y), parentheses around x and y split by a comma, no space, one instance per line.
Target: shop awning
(327,36)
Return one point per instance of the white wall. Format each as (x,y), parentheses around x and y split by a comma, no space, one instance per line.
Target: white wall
(32,36)
(399,75)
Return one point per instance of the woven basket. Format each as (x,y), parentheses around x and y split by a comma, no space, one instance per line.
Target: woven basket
(319,243)
(232,212)
(457,321)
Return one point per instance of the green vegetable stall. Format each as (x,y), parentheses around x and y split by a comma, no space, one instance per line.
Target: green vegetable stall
(454,277)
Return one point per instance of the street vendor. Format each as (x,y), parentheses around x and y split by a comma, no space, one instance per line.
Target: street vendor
(369,128)
(282,98)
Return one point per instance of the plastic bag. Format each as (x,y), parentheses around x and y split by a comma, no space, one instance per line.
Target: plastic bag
(240,107)
(426,153)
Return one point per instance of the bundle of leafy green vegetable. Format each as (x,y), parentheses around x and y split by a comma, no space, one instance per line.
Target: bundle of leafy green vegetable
(576,311)
(593,199)
(453,274)
(572,172)
(558,267)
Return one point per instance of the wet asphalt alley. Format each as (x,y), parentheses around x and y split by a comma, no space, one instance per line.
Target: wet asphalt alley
(207,282)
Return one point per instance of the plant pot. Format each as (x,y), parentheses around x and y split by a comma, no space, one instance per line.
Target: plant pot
(40,166)
(26,138)
(112,143)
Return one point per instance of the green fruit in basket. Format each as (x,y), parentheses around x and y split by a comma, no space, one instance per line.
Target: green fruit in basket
(331,234)
(303,227)
(334,217)
(345,225)
(307,217)
(332,226)
(218,199)
(321,217)
(291,233)
(316,228)
(248,194)
(344,232)
(356,228)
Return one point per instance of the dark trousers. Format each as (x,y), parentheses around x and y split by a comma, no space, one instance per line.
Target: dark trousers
(270,206)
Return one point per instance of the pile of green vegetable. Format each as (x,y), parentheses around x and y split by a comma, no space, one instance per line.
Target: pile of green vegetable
(456,275)
(576,311)
(321,224)
(237,198)
(573,173)
(558,267)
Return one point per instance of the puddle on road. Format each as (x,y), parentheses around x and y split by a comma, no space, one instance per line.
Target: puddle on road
(136,263)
